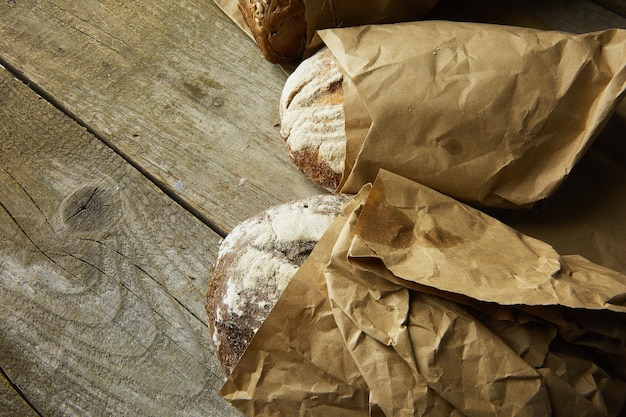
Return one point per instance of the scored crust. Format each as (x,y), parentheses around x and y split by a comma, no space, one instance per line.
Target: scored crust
(278,27)
(255,263)
(313,121)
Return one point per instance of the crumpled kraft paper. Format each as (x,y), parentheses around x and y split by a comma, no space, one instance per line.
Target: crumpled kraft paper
(587,214)
(415,334)
(488,114)
(431,240)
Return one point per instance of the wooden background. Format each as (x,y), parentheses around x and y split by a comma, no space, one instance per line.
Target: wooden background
(134,135)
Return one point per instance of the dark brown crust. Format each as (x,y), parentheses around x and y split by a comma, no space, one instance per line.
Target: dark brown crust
(235,332)
(278,27)
(333,93)
(315,167)
(238,336)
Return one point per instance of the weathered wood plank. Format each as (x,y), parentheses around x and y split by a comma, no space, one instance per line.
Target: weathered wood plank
(102,276)
(575,16)
(616,6)
(11,403)
(175,87)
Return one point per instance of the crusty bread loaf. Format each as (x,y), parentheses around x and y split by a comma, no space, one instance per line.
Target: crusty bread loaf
(278,27)
(312,119)
(255,263)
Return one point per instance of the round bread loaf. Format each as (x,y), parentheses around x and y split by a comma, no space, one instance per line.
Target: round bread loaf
(255,263)
(313,121)
(278,27)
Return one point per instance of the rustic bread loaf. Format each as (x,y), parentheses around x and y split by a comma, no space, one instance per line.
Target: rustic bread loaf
(255,263)
(278,27)
(313,121)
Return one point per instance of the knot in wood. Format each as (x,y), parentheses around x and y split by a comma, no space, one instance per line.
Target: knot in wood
(91,208)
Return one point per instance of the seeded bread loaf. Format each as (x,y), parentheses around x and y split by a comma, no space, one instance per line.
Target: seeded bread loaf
(278,27)
(313,121)
(283,28)
(255,263)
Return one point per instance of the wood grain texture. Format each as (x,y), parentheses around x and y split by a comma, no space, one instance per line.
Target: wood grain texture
(616,6)
(575,16)
(164,83)
(102,276)
(11,403)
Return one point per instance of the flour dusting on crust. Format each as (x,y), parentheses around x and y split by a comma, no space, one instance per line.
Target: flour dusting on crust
(255,263)
(313,120)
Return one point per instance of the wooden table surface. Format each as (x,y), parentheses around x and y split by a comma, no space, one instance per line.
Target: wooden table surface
(133,137)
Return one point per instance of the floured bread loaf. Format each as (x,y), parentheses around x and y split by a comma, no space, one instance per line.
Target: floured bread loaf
(278,27)
(255,263)
(312,119)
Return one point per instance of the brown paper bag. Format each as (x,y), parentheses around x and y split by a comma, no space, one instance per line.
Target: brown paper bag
(417,238)
(587,214)
(415,334)
(493,115)
(373,314)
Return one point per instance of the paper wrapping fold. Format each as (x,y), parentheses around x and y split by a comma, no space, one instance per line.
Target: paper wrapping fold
(488,114)
(440,343)
(437,359)
(430,240)
(587,214)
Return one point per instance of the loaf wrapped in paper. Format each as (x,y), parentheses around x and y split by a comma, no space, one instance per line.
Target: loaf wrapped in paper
(297,363)
(492,115)
(416,304)
(284,29)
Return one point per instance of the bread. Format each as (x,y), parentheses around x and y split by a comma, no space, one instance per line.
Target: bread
(278,27)
(255,263)
(312,119)
(282,30)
